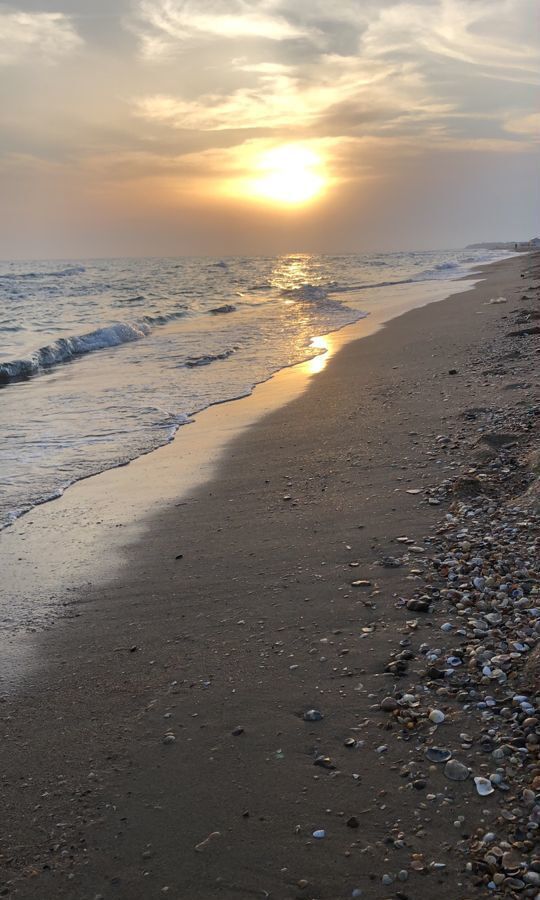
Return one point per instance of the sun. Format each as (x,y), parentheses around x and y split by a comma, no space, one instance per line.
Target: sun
(290,175)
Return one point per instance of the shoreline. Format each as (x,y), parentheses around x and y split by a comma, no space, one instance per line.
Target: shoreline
(163,749)
(120,497)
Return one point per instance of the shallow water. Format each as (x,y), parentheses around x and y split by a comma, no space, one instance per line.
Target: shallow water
(101,361)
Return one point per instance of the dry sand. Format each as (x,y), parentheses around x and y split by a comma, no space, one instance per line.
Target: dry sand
(237,610)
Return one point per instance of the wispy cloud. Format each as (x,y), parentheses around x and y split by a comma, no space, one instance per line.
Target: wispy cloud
(280,97)
(35,37)
(166,26)
(528,125)
(409,67)
(482,33)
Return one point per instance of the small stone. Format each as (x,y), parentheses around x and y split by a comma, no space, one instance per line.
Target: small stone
(418,605)
(313,715)
(353,822)
(324,762)
(238,730)
(436,716)
(168,738)
(389,704)
(319,834)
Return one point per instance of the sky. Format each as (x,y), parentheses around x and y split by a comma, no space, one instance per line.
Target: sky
(219,127)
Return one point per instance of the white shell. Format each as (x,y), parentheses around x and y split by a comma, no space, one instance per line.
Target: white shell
(483,786)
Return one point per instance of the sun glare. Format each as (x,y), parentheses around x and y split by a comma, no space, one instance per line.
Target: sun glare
(289,175)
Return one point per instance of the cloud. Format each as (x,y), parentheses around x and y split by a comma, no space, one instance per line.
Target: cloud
(35,37)
(483,33)
(528,125)
(167,26)
(285,97)
(411,67)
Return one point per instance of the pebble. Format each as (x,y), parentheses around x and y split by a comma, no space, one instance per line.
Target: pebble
(313,715)
(389,704)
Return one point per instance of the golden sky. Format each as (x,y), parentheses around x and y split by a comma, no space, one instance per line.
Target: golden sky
(183,126)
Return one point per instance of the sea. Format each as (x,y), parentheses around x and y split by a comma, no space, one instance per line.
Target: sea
(104,360)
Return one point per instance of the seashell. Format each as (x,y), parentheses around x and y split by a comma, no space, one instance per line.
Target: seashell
(456,771)
(438,754)
(483,786)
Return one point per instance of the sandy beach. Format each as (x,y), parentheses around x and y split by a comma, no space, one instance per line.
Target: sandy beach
(207,722)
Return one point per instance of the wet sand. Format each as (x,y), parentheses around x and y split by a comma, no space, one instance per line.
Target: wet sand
(233,615)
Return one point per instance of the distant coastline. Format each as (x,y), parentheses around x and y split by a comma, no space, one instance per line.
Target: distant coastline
(523,246)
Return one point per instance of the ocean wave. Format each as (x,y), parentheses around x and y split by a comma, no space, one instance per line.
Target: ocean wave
(353,288)
(305,292)
(446,265)
(60,273)
(206,359)
(226,308)
(164,318)
(440,271)
(65,349)
(139,298)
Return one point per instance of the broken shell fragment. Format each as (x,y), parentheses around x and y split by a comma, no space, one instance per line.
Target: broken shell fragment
(483,786)
(438,754)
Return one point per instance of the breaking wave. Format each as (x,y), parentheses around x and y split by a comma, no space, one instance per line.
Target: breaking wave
(446,265)
(65,349)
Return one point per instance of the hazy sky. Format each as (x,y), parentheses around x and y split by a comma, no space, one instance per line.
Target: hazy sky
(141,130)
